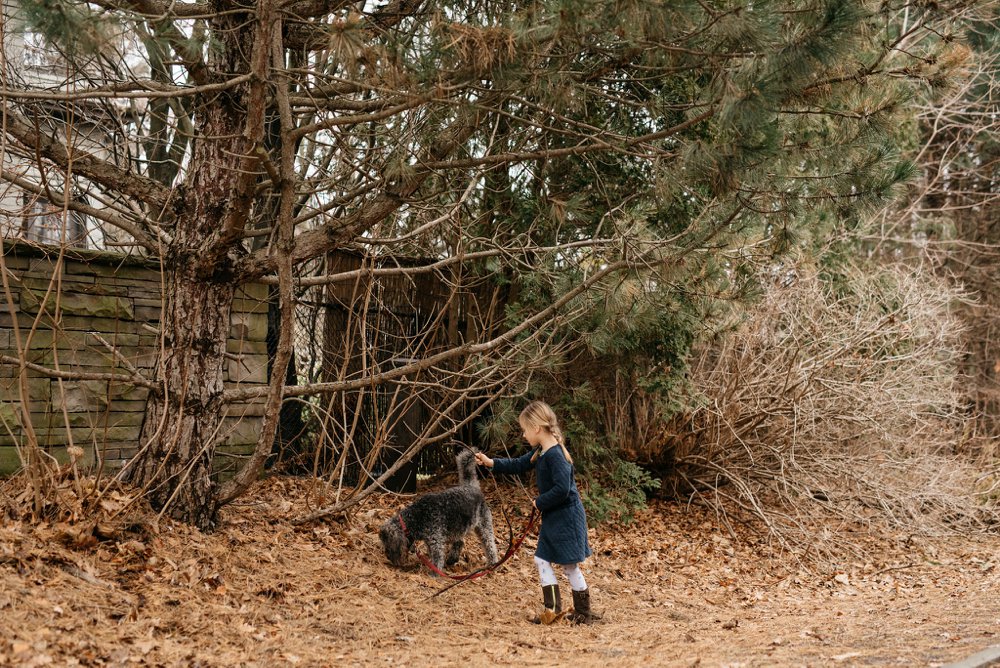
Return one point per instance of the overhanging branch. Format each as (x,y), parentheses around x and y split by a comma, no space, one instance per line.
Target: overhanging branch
(154,194)
(452,353)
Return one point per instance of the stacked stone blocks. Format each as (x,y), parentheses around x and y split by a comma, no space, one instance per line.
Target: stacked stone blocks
(107,320)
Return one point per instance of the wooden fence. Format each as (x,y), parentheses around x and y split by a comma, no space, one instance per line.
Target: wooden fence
(374,324)
(107,318)
(90,311)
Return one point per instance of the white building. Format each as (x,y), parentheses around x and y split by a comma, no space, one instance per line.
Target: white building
(98,127)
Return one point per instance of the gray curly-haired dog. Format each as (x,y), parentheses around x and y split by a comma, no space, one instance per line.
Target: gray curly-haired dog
(441,520)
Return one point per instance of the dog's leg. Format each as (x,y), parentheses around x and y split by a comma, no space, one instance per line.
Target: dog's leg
(435,549)
(486,535)
(455,553)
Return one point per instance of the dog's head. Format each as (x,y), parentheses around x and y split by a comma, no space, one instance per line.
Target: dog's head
(394,543)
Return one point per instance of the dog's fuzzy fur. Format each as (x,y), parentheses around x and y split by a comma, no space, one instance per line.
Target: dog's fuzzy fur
(441,520)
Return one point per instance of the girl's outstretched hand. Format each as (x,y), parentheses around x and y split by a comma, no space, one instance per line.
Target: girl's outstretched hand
(483,460)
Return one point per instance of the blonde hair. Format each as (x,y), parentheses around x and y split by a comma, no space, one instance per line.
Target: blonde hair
(539,414)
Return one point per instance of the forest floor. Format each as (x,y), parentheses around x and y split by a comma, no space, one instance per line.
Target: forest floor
(675,587)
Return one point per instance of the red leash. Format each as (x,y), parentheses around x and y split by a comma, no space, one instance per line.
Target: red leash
(512,548)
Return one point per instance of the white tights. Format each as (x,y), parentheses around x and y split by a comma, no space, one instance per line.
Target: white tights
(547,574)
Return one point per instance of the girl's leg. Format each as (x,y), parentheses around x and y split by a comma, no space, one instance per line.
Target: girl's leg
(582,614)
(546,574)
(575,577)
(551,601)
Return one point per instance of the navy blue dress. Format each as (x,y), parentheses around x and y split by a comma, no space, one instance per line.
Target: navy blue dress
(563,536)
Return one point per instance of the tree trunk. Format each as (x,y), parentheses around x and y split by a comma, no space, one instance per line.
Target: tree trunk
(288,447)
(210,210)
(181,428)
(183,424)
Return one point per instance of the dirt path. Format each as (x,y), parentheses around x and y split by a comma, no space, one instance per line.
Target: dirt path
(675,590)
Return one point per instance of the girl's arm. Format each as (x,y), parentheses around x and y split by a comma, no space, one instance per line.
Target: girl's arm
(507,466)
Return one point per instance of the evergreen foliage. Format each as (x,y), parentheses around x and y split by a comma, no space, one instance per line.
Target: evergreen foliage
(687,144)
(76,28)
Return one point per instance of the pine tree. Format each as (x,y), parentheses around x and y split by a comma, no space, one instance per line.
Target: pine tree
(616,144)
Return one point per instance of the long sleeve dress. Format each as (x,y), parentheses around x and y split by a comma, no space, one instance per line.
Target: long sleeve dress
(563,536)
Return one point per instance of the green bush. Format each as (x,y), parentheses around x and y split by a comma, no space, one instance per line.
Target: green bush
(623,493)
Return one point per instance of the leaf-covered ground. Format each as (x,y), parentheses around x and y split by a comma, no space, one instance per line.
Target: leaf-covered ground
(675,588)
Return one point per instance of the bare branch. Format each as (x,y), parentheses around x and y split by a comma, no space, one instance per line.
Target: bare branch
(82,375)
(100,171)
(286,295)
(154,10)
(137,89)
(140,234)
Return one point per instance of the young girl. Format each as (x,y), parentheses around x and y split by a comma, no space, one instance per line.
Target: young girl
(563,537)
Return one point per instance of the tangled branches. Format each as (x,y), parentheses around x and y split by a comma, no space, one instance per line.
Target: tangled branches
(836,398)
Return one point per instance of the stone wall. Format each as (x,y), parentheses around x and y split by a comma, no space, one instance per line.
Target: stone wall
(106,319)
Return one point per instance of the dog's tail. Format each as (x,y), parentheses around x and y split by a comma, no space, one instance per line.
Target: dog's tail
(465,460)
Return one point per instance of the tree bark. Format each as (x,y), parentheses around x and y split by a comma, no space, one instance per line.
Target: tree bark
(181,428)
(183,424)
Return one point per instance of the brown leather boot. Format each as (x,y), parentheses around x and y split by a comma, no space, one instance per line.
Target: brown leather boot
(582,614)
(552,612)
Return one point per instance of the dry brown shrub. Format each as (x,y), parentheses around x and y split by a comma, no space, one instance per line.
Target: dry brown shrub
(837,399)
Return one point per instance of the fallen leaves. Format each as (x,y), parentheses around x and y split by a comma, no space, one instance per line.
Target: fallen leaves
(261,592)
